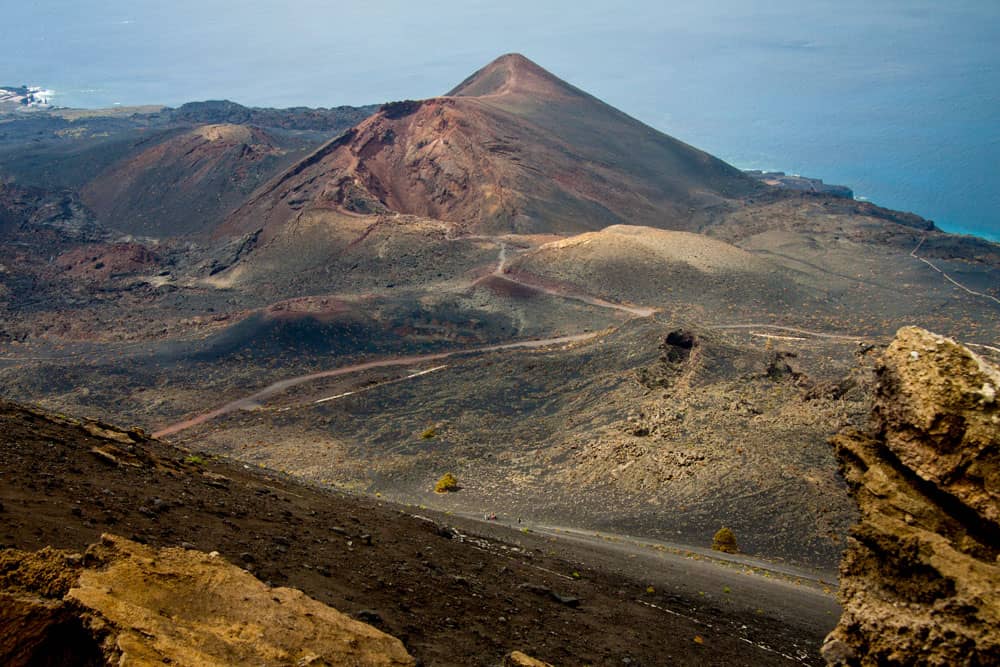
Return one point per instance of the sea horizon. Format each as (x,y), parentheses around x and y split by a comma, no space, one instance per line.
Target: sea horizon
(899,101)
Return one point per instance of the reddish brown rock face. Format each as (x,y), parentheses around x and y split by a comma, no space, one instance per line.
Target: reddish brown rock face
(513,148)
(919,582)
(102,261)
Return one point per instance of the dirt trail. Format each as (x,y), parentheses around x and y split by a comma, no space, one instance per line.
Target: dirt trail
(913,254)
(252,401)
(375,386)
(500,273)
(805,332)
(742,584)
(814,579)
(637,311)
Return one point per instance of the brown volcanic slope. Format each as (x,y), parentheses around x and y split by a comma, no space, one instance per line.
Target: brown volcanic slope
(452,598)
(656,266)
(186,182)
(513,148)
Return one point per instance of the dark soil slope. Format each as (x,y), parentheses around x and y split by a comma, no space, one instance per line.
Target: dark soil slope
(452,599)
(186,181)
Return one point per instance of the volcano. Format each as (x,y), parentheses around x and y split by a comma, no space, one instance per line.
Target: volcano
(512,148)
(175,184)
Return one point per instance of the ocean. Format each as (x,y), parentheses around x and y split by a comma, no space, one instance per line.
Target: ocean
(897,99)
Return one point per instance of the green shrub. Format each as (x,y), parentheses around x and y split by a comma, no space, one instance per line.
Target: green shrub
(725,541)
(446,484)
(428,433)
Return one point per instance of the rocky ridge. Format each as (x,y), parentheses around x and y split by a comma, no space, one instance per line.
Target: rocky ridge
(919,579)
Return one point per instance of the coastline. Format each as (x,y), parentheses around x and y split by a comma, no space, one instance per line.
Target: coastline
(781,179)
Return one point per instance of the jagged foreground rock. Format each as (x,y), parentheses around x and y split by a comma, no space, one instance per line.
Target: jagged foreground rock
(124,603)
(920,582)
(519,659)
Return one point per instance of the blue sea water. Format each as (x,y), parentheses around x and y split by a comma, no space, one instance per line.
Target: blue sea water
(898,99)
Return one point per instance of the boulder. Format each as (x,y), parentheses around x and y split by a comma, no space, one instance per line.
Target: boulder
(920,581)
(518,659)
(124,603)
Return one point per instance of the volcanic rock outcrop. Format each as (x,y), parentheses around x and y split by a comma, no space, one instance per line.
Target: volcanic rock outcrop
(31,211)
(919,581)
(124,603)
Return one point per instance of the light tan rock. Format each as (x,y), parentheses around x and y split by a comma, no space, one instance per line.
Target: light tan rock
(942,418)
(107,432)
(145,606)
(920,582)
(518,659)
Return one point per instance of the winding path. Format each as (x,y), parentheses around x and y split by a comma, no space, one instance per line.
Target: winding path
(805,332)
(501,274)
(253,400)
(913,253)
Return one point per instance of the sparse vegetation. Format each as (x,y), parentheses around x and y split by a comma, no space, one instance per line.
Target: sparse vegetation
(725,541)
(194,459)
(447,484)
(428,433)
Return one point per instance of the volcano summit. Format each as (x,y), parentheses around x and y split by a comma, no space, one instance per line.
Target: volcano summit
(511,149)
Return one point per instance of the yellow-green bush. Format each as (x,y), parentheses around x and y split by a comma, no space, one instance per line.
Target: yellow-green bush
(725,541)
(446,484)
